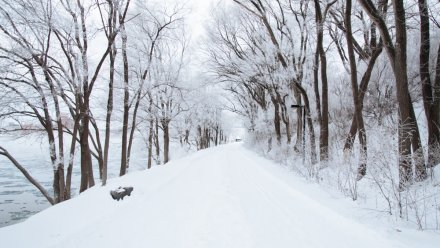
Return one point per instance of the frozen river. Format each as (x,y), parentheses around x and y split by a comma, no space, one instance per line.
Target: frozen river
(19,199)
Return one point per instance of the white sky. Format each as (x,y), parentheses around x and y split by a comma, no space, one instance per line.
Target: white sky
(199,14)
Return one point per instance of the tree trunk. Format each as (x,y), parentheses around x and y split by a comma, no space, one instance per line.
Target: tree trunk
(156,141)
(299,121)
(429,100)
(108,115)
(285,117)
(435,159)
(407,123)
(133,126)
(277,120)
(72,156)
(316,85)
(126,103)
(87,179)
(150,143)
(5,153)
(362,89)
(166,141)
(324,132)
(112,57)
(362,168)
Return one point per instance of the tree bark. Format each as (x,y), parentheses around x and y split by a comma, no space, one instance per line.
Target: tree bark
(150,143)
(87,179)
(112,58)
(166,141)
(407,122)
(133,126)
(277,120)
(362,168)
(72,156)
(429,99)
(156,141)
(324,132)
(126,103)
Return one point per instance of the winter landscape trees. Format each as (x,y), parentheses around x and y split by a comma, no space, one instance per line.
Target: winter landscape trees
(59,59)
(273,54)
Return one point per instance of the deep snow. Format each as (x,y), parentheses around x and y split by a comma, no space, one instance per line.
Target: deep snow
(226,196)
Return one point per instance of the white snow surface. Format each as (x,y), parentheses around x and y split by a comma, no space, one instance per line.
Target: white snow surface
(225,196)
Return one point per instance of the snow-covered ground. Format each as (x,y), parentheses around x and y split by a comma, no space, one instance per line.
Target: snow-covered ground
(19,199)
(226,196)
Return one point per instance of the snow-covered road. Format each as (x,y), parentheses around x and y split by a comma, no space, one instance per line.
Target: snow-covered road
(221,197)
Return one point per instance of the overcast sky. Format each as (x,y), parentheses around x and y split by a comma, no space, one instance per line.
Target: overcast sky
(200,12)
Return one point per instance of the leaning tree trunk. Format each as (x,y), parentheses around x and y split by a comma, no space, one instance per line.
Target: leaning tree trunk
(133,126)
(32,180)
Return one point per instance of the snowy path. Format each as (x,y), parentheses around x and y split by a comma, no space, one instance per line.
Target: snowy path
(221,197)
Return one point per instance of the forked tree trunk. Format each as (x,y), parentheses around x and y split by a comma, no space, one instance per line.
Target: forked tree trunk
(362,89)
(362,168)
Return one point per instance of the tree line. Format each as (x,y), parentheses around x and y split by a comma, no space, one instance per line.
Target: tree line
(270,54)
(82,72)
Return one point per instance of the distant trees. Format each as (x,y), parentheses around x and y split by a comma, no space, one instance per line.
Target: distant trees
(254,56)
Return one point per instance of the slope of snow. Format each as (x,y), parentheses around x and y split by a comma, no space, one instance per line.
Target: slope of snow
(221,197)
